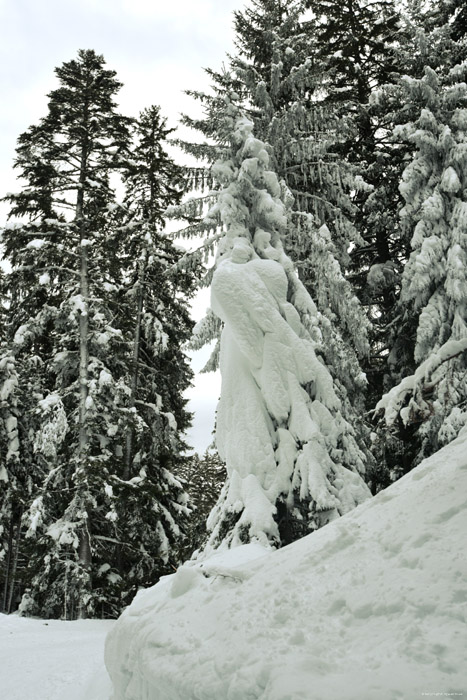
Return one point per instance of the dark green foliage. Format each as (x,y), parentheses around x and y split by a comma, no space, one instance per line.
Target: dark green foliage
(203,478)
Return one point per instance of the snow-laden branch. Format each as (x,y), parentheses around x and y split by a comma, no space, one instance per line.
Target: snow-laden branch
(407,398)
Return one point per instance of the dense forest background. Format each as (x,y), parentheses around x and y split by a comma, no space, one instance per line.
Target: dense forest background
(333,141)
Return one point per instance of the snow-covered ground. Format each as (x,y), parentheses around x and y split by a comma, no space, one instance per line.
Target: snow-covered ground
(371,607)
(52,659)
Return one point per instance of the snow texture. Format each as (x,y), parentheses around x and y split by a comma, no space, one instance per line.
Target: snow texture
(372,606)
(52,659)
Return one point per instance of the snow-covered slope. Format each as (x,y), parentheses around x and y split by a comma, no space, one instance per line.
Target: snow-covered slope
(371,607)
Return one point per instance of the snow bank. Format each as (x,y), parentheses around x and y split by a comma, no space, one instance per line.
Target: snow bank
(373,605)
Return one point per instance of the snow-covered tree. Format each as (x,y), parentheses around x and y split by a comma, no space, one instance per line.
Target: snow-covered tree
(281,70)
(150,505)
(279,426)
(57,289)
(434,285)
(92,297)
(12,480)
(276,77)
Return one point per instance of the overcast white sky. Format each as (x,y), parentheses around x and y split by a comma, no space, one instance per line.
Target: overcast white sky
(158,48)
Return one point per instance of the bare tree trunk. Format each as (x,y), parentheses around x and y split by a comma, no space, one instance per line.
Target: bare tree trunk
(7,566)
(15,562)
(85,557)
(135,359)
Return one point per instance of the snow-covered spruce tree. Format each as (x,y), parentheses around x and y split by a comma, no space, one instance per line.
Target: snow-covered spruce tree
(279,424)
(421,40)
(149,508)
(433,400)
(356,45)
(277,79)
(59,312)
(279,66)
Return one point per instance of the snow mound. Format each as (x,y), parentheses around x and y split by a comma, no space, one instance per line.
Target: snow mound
(373,605)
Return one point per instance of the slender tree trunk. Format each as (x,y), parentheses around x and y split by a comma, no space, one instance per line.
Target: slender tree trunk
(7,566)
(85,558)
(14,567)
(135,359)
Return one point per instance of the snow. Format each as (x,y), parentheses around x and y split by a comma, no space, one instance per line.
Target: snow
(52,659)
(78,305)
(44,278)
(391,403)
(373,605)
(450,180)
(21,335)
(265,361)
(36,243)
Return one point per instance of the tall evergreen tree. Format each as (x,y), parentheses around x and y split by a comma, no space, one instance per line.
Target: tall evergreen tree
(356,43)
(276,77)
(431,402)
(428,42)
(73,297)
(279,427)
(150,503)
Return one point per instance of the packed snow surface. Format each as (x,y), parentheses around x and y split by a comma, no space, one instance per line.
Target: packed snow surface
(371,607)
(52,659)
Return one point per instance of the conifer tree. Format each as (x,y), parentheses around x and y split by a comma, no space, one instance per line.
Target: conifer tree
(430,42)
(279,427)
(73,297)
(57,306)
(431,400)
(12,478)
(150,504)
(276,77)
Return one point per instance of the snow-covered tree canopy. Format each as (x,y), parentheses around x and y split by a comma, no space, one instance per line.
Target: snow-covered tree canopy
(278,424)
(434,284)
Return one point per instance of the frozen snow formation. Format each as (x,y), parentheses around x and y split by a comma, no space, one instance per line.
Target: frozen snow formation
(279,427)
(371,607)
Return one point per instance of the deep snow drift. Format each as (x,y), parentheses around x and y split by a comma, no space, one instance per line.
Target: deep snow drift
(371,607)
(52,659)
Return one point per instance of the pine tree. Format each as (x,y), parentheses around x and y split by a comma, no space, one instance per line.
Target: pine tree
(427,41)
(12,478)
(431,401)
(58,312)
(150,505)
(279,426)
(95,295)
(276,78)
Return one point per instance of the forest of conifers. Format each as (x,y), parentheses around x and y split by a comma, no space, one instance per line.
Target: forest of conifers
(332,145)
